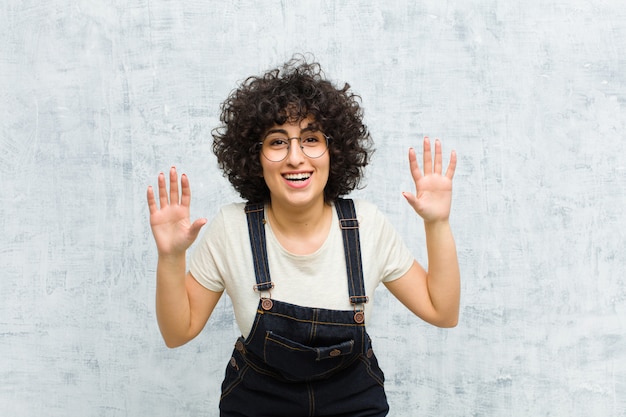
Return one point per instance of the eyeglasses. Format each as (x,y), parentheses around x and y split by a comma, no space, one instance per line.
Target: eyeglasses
(275,146)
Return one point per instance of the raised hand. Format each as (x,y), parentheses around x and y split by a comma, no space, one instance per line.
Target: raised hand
(433,190)
(171,227)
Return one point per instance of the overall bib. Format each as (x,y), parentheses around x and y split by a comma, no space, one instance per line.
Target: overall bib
(301,361)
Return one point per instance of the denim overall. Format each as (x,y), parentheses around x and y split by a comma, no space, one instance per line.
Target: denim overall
(301,361)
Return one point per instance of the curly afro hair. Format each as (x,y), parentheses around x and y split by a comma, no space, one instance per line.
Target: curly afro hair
(291,93)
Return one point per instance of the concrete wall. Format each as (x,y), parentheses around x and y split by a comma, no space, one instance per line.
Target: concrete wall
(97,97)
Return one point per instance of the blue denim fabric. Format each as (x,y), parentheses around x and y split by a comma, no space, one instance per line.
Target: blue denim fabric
(301,361)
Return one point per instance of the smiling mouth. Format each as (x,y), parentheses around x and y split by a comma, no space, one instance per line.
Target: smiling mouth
(297,177)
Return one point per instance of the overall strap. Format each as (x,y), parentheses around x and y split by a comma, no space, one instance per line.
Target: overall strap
(349,225)
(256,229)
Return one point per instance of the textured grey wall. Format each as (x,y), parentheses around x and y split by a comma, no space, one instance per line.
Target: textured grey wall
(97,97)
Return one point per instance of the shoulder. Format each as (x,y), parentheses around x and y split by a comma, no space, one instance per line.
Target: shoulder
(373,223)
(371,219)
(367,212)
(360,205)
(229,214)
(364,206)
(232,210)
(228,218)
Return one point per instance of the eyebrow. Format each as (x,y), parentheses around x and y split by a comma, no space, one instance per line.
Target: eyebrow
(309,128)
(269,132)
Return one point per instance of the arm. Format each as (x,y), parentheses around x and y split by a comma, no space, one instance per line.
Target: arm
(433,295)
(183,306)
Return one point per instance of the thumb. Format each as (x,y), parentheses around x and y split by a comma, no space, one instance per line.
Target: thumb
(196,226)
(410,198)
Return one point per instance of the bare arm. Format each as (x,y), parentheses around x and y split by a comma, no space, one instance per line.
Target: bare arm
(183,306)
(433,295)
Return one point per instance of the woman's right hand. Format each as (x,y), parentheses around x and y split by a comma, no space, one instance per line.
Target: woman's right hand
(171,226)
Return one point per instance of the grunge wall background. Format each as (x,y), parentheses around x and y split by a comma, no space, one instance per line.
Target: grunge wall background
(98,97)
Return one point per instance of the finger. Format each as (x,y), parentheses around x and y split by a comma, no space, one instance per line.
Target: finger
(162,191)
(410,198)
(428,157)
(196,226)
(438,157)
(451,165)
(186,191)
(151,201)
(174,198)
(414,166)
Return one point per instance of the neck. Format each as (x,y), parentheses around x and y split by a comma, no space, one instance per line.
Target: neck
(295,220)
(300,230)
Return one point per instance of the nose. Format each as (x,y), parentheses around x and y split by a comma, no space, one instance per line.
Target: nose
(295,155)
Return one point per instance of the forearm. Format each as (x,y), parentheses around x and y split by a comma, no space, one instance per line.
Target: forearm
(443,272)
(172,301)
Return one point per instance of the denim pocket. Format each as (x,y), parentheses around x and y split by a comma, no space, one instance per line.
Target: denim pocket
(235,371)
(372,368)
(299,362)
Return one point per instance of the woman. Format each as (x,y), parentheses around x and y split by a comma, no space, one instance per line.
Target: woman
(299,262)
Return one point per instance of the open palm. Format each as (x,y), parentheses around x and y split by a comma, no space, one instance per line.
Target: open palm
(172,229)
(433,190)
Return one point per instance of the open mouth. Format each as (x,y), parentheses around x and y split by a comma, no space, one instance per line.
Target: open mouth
(303,176)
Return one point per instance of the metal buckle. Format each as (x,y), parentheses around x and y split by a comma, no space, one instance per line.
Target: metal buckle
(255,287)
(359,299)
(346,224)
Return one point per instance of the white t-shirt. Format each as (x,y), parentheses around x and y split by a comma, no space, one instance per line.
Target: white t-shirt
(223,261)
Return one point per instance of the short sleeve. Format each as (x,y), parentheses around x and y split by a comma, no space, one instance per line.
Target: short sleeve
(204,263)
(390,256)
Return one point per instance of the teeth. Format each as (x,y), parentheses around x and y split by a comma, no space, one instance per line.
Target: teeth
(297,177)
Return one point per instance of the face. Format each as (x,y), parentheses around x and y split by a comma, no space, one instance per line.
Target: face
(297,180)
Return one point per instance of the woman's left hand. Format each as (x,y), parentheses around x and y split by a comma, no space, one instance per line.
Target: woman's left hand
(433,190)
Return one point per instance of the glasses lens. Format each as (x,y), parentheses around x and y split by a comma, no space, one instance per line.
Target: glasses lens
(276,148)
(314,145)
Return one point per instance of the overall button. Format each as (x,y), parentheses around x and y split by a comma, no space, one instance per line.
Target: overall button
(239,346)
(334,352)
(267,304)
(369,353)
(233,363)
(359,317)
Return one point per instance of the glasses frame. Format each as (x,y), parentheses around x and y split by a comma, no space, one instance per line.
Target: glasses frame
(299,138)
